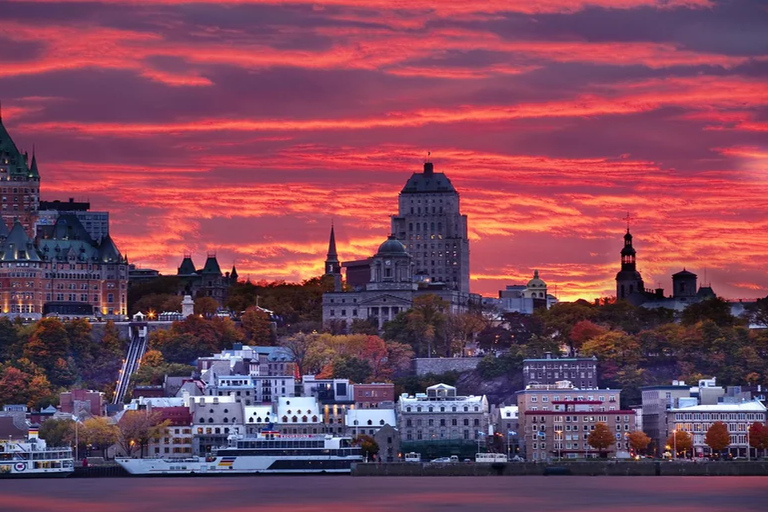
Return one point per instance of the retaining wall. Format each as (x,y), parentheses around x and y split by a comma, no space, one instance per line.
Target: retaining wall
(437,365)
(608,468)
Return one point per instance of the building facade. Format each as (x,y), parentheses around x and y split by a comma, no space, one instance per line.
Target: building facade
(208,281)
(57,267)
(697,419)
(440,421)
(19,184)
(581,371)
(95,223)
(429,222)
(556,420)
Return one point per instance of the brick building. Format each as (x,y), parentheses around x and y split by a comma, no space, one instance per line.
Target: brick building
(555,420)
(581,371)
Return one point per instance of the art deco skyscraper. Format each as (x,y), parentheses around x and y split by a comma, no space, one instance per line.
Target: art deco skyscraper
(431,226)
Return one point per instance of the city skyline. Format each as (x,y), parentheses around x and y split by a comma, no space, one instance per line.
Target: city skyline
(245,128)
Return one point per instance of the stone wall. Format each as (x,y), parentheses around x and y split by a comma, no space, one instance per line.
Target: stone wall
(437,365)
(591,468)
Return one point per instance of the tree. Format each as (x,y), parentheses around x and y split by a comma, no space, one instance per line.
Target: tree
(100,432)
(758,436)
(137,428)
(57,432)
(639,441)
(681,441)
(718,438)
(47,343)
(715,309)
(584,331)
(299,347)
(368,446)
(353,368)
(601,439)
(206,306)
(258,327)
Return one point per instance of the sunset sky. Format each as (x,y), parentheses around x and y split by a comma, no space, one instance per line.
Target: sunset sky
(246,127)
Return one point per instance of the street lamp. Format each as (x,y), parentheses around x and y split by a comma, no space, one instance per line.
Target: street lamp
(479,433)
(510,433)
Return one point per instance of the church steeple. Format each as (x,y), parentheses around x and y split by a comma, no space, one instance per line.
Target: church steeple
(629,282)
(332,264)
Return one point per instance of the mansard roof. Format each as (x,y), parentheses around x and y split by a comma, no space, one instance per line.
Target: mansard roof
(3,230)
(187,267)
(211,266)
(428,182)
(108,252)
(10,154)
(18,246)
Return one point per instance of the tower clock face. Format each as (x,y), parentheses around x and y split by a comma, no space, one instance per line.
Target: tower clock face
(387,262)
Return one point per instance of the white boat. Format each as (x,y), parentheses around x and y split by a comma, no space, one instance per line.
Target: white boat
(268,452)
(33,458)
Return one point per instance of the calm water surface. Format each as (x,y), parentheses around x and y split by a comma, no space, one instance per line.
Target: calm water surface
(379,494)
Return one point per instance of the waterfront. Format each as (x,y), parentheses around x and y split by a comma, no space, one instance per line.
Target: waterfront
(384,494)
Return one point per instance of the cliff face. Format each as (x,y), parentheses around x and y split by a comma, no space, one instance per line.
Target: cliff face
(498,390)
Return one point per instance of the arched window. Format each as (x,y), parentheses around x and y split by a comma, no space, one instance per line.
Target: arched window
(250,420)
(303,419)
(381,422)
(285,419)
(226,420)
(210,420)
(258,420)
(466,409)
(370,422)
(314,419)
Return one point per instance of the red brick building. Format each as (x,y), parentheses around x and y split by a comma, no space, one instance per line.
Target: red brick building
(78,400)
(373,396)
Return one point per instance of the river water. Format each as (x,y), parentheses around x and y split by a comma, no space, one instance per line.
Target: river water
(380,494)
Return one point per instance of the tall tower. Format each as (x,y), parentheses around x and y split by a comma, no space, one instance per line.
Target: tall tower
(430,225)
(332,264)
(20,184)
(628,280)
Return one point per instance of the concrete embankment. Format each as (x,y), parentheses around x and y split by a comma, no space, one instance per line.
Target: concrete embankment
(596,468)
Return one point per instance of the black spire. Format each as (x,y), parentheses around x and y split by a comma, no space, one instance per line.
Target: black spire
(332,265)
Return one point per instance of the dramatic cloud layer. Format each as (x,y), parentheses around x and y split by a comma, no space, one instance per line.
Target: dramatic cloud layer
(244,127)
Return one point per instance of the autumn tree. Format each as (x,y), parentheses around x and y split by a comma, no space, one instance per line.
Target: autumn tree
(717,437)
(758,436)
(601,439)
(206,306)
(300,347)
(137,428)
(368,446)
(47,343)
(680,441)
(100,432)
(715,309)
(639,441)
(584,331)
(257,327)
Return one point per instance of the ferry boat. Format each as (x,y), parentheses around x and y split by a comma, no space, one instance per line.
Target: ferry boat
(268,452)
(33,458)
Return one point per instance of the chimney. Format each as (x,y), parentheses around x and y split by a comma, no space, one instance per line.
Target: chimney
(428,168)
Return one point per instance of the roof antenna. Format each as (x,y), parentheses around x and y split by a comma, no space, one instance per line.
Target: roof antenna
(627,218)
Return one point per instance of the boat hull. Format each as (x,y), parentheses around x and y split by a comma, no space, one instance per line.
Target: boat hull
(223,466)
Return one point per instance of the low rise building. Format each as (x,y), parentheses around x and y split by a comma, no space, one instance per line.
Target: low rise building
(440,422)
(368,421)
(556,420)
(697,419)
(374,396)
(82,402)
(214,418)
(581,371)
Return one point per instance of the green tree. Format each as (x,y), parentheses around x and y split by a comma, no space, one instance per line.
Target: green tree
(57,432)
(560,319)
(353,368)
(715,309)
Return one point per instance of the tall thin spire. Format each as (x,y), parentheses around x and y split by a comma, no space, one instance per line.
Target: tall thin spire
(332,264)
(332,246)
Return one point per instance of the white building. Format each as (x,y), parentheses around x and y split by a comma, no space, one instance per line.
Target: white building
(369,421)
(697,419)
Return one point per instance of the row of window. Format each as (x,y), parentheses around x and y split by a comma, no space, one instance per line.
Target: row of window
(443,422)
(715,416)
(431,408)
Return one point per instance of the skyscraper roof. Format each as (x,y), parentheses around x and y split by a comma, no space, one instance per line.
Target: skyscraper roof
(428,182)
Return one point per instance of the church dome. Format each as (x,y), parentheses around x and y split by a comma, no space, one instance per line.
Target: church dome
(536,282)
(392,247)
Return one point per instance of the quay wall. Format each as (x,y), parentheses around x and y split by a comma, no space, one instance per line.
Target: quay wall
(424,365)
(596,468)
